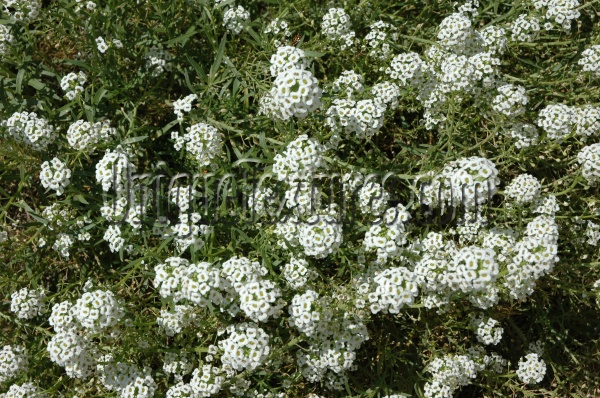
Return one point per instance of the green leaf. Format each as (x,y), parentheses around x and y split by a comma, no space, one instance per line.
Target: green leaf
(184,37)
(38,85)
(19,82)
(131,140)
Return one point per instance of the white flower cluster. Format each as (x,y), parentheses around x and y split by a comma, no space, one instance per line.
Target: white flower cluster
(387,237)
(89,5)
(84,135)
(511,100)
(295,93)
(532,369)
(73,351)
(589,159)
(534,255)
(386,93)
(287,58)
(72,84)
(377,41)
(562,12)
(157,61)
(349,82)
(372,199)
(448,374)
(360,118)
(262,202)
(525,188)
(525,28)
(127,380)
(462,64)
(173,322)
(247,347)
(300,161)
(590,60)
(407,68)
(13,362)
(592,233)
(25,390)
(391,290)
(556,120)
(321,234)
(202,141)
(97,310)
(114,169)
(30,129)
(455,30)
(55,175)
(487,330)
(235,18)
(525,134)
(587,121)
(459,181)
(5,39)
(22,10)
(336,26)
(177,364)
(28,303)
(183,105)
(297,273)
(333,337)
(276,27)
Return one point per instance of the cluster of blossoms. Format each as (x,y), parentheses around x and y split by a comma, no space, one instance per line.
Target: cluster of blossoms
(277,27)
(5,39)
(55,175)
(562,12)
(114,169)
(511,100)
(178,365)
(13,362)
(89,5)
(377,41)
(202,141)
(202,284)
(22,10)
(184,105)
(488,332)
(386,93)
(30,129)
(349,82)
(391,289)
(25,390)
(157,61)
(288,58)
(532,369)
(590,60)
(387,237)
(235,18)
(592,233)
(448,374)
(469,182)
(525,134)
(127,380)
(336,26)
(333,337)
(85,136)
(360,118)
(297,273)
(525,28)
(28,303)
(72,84)
(534,255)
(246,347)
(71,347)
(300,160)
(295,94)
(525,188)
(589,159)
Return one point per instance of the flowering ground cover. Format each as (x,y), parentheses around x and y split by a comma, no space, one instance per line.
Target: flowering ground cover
(299,199)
